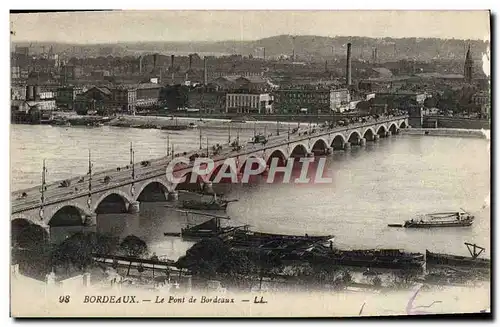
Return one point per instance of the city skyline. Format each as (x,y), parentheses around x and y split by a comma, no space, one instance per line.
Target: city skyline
(213,26)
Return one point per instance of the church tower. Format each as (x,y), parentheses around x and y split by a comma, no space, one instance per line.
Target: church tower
(468,66)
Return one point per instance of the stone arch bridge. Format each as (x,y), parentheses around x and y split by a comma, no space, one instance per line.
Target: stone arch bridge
(123,193)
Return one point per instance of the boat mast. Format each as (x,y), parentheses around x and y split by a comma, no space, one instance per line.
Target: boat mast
(207,147)
(229,135)
(168,144)
(132,161)
(200,140)
(44,170)
(90,174)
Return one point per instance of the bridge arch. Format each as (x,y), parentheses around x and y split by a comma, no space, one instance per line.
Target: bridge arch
(68,215)
(369,134)
(354,137)
(299,150)
(393,128)
(320,146)
(250,158)
(278,153)
(155,190)
(381,130)
(403,124)
(114,201)
(224,168)
(338,141)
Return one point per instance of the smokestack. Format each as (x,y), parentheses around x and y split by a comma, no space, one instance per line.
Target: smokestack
(205,73)
(264,53)
(172,60)
(140,64)
(348,66)
(154,60)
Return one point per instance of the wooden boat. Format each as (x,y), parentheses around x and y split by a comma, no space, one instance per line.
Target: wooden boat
(383,258)
(371,258)
(208,229)
(456,260)
(246,239)
(175,127)
(443,219)
(215,204)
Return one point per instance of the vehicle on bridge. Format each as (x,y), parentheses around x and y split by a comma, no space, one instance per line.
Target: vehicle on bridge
(258,139)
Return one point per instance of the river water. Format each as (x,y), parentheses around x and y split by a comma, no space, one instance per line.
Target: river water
(385,182)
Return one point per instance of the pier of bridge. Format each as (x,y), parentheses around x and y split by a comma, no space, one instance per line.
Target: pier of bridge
(122,190)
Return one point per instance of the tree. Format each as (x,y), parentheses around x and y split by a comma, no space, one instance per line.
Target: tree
(363,106)
(430,103)
(210,257)
(133,247)
(205,257)
(78,250)
(30,248)
(28,235)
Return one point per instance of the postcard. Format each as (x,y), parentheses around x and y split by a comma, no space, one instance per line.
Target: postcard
(250,163)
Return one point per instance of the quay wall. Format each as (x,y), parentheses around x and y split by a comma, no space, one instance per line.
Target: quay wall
(457,122)
(266,117)
(454,132)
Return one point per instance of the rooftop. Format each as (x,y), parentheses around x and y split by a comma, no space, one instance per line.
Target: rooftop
(439,75)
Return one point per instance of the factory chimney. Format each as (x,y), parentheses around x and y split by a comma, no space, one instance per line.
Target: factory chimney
(172,59)
(205,73)
(348,65)
(189,67)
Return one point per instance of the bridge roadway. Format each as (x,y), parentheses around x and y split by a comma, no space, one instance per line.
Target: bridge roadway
(55,193)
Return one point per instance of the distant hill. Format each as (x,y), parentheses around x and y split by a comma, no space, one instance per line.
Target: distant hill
(307,47)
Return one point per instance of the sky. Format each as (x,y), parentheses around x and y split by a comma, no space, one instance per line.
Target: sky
(132,26)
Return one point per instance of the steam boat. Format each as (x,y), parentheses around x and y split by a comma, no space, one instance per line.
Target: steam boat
(444,219)
(441,219)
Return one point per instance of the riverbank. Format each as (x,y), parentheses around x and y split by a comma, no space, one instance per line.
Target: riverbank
(450,132)
(204,123)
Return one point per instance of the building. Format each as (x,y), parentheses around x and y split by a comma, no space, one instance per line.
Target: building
(94,99)
(339,98)
(248,83)
(147,95)
(310,101)
(252,103)
(482,100)
(15,72)
(207,99)
(124,98)
(66,96)
(18,92)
